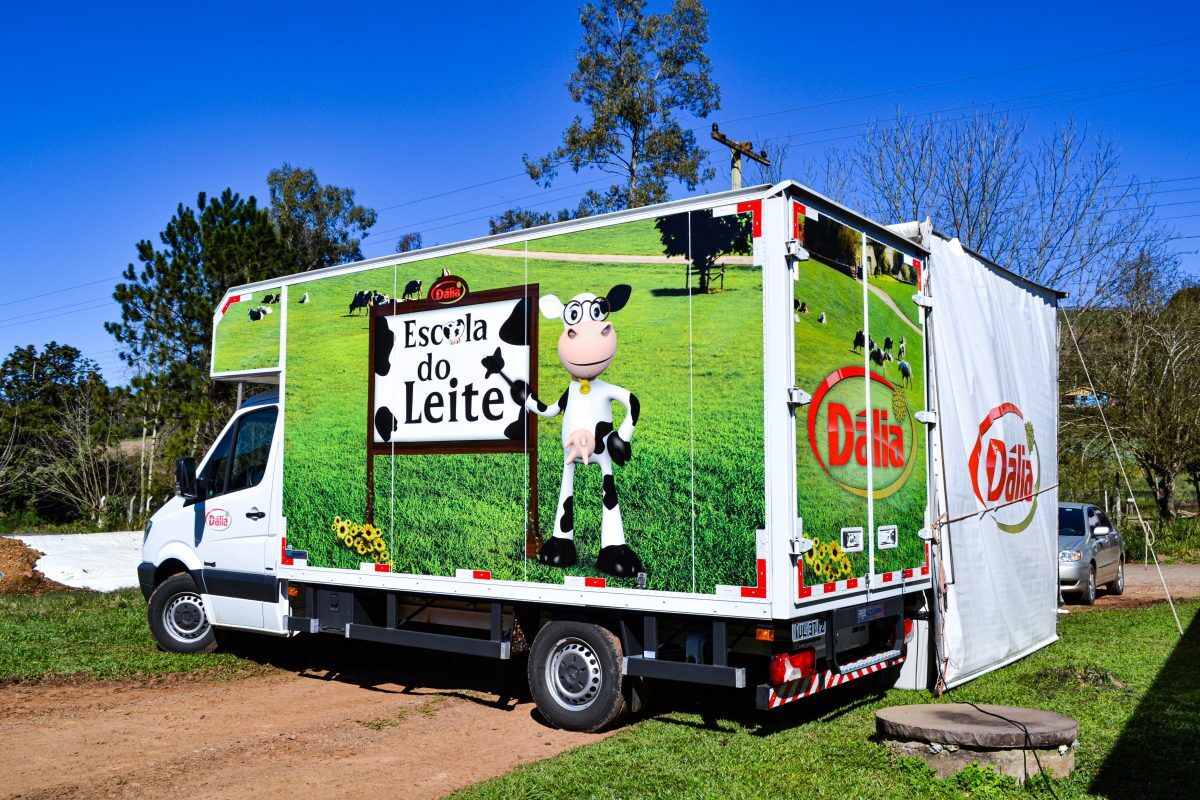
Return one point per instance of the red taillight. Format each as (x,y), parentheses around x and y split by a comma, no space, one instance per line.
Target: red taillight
(787,667)
(908,630)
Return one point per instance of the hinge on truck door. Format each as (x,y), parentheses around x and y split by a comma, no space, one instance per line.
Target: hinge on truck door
(926,417)
(798,545)
(923,300)
(798,397)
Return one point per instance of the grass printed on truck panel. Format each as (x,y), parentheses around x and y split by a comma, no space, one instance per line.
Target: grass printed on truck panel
(439,513)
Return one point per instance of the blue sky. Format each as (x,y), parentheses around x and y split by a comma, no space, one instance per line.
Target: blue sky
(109,117)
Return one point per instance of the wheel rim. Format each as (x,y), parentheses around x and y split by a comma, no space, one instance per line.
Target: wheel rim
(184,618)
(1091,590)
(573,674)
(1120,576)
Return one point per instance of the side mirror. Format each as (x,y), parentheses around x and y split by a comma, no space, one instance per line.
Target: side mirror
(1101,530)
(185,478)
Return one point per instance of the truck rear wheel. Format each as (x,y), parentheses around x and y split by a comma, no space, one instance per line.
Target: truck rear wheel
(575,676)
(178,618)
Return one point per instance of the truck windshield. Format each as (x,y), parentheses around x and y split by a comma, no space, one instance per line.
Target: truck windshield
(1070,522)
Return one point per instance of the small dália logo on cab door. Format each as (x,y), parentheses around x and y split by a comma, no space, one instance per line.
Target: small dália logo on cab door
(1006,469)
(448,289)
(217,519)
(837,432)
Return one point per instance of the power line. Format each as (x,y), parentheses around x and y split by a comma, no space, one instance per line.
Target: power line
(825,104)
(40,312)
(53,316)
(790,136)
(979,76)
(40,295)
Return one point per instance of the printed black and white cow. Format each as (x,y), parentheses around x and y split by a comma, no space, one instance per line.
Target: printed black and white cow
(586,348)
(412,289)
(362,299)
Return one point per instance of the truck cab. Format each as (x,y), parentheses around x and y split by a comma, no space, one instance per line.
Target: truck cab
(209,555)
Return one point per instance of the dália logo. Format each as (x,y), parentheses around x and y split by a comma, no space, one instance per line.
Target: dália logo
(837,432)
(1006,469)
(448,289)
(217,519)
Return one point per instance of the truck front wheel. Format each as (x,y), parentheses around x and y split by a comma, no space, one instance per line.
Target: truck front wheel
(178,619)
(575,676)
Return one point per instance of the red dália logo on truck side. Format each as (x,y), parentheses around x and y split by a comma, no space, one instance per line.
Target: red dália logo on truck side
(837,432)
(1006,470)
(217,519)
(448,289)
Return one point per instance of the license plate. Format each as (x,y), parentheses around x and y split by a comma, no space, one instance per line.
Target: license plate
(807,629)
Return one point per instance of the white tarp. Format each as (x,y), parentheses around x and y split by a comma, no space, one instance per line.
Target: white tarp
(995,351)
(100,561)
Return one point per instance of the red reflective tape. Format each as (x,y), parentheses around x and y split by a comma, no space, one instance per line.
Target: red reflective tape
(755,209)
(283,556)
(852,583)
(595,583)
(383,567)
(806,591)
(925,570)
(235,299)
(798,210)
(831,586)
(908,573)
(481,575)
(761,589)
(887,577)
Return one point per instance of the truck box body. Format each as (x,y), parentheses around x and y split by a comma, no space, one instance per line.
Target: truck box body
(761,433)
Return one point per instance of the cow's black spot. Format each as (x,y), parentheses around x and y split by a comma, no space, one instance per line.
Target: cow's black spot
(603,429)
(567,523)
(562,401)
(541,406)
(635,407)
(515,328)
(385,423)
(610,492)
(384,340)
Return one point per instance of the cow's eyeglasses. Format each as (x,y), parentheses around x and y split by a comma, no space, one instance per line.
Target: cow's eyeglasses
(578,310)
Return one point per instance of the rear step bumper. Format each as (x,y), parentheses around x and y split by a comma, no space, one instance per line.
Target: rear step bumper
(769,696)
(710,674)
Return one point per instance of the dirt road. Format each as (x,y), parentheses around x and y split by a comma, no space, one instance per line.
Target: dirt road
(1143,586)
(317,732)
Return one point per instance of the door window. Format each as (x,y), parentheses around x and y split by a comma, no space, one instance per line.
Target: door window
(250,452)
(239,460)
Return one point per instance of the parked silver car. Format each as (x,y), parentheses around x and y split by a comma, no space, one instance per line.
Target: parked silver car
(1090,552)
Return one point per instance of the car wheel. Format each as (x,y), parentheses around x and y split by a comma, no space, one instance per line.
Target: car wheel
(1117,585)
(178,619)
(1088,598)
(575,676)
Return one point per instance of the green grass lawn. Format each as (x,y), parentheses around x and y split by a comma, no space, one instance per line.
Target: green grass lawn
(442,512)
(901,294)
(93,634)
(243,343)
(1124,674)
(638,238)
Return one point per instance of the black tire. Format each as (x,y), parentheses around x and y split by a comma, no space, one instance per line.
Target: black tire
(575,676)
(1088,596)
(1116,586)
(178,619)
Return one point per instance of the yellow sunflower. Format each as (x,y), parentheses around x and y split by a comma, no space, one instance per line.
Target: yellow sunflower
(846,566)
(835,551)
(361,549)
(342,529)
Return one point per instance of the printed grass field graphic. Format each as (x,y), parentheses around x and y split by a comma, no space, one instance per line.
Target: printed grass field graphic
(247,337)
(693,360)
(830,444)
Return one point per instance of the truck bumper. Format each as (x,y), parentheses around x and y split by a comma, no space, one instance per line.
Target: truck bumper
(146,578)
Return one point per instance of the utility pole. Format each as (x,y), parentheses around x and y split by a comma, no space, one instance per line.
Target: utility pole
(736,151)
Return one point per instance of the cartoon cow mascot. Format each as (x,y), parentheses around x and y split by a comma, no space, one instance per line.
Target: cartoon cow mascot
(586,348)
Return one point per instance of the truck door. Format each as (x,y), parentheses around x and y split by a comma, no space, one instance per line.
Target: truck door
(233,520)
(860,453)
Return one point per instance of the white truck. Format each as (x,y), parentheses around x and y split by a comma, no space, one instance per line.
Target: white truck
(751,439)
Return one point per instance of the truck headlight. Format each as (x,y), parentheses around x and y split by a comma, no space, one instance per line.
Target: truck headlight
(146,532)
(1069,555)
